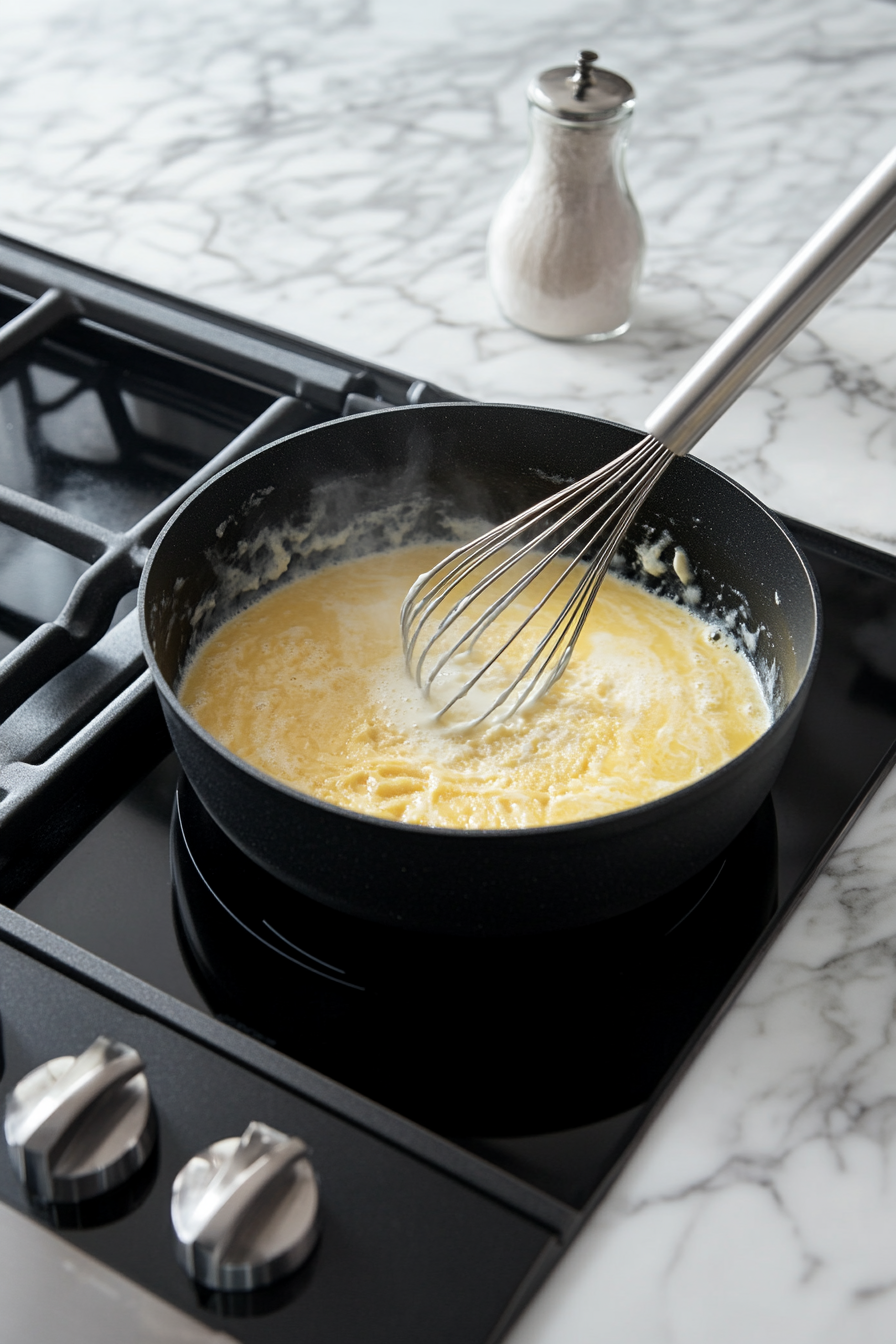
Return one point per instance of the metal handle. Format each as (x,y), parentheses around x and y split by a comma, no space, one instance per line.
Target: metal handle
(783,308)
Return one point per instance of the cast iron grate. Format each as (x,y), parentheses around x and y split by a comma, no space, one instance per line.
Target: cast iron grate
(101,368)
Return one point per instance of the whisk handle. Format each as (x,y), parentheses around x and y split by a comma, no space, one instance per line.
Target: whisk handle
(783,308)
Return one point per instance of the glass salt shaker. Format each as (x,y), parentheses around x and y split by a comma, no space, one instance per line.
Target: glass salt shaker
(566,244)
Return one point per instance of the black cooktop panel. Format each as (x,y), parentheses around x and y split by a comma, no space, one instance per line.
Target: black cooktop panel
(487,1036)
(406,1253)
(112,894)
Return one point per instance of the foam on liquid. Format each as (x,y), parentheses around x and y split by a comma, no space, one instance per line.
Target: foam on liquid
(309,685)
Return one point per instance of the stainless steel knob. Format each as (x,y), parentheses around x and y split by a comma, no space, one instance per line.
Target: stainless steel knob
(78,1126)
(245,1210)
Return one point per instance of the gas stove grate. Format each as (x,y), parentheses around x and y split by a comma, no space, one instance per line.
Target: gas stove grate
(75,697)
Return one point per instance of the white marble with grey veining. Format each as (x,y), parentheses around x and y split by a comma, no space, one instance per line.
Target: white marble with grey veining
(331,168)
(762,1204)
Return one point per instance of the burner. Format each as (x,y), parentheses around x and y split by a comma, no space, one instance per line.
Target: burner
(478,1036)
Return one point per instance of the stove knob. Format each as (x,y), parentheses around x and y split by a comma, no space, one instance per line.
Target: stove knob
(245,1210)
(79,1126)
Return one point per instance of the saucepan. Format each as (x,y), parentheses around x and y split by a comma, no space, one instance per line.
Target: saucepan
(406,474)
(412,472)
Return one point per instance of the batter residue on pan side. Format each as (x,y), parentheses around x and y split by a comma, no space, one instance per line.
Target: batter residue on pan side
(309,685)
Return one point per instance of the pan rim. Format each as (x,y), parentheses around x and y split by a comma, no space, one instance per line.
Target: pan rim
(625,818)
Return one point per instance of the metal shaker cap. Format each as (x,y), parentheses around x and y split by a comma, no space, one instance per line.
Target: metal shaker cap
(582,92)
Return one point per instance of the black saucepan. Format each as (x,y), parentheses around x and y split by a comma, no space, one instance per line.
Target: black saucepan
(368,481)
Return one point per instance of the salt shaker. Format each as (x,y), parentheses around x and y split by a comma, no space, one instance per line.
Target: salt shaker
(566,243)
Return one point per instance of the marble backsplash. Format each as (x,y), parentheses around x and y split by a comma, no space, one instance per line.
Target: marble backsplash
(332,169)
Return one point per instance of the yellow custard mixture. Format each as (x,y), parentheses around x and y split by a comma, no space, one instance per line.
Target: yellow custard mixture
(309,684)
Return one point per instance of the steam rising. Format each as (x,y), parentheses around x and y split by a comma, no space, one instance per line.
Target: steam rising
(348,517)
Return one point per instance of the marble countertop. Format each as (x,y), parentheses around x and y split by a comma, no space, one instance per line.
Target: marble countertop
(331,168)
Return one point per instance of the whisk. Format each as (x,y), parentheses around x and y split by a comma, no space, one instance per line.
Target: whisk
(450,608)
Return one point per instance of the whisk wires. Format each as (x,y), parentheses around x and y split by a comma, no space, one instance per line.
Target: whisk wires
(576,531)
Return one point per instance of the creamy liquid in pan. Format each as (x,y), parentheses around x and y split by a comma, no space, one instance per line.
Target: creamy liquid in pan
(309,684)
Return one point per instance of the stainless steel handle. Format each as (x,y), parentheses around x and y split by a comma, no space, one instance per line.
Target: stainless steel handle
(763,329)
(245,1209)
(78,1126)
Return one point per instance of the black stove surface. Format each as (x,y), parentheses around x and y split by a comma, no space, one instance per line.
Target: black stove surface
(539,1054)
(407,1251)
(492,1037)
(537,1061)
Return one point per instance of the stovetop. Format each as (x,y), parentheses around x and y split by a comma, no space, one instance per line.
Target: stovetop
(467,1100)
